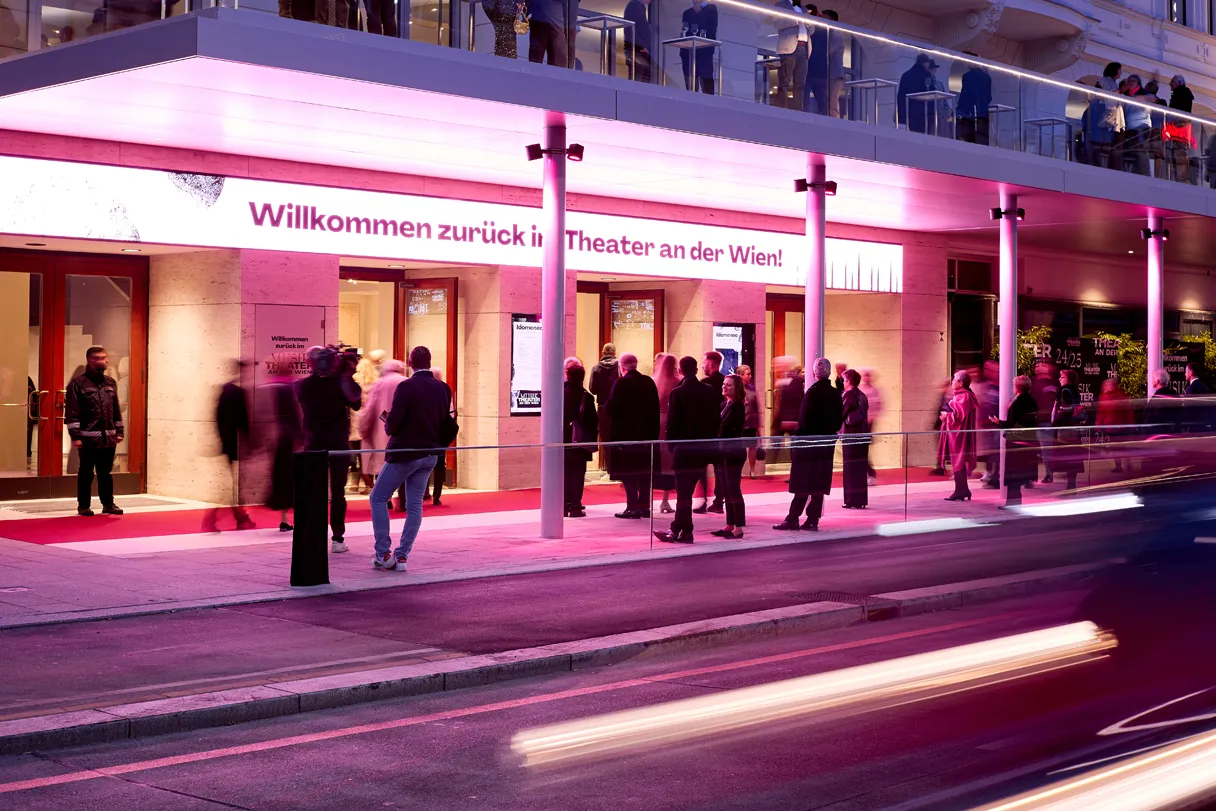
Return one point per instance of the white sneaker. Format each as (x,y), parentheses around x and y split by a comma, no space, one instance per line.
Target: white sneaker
(338,546)
(388,562)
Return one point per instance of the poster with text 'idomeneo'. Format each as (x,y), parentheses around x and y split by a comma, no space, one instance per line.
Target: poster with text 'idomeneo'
(525,365)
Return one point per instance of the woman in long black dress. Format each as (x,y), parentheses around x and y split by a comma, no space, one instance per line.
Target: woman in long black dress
(1021,441)
(734,453)
(284,438)
(855,444)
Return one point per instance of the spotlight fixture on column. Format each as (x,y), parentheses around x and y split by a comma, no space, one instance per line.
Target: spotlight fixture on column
(997,214)
(574,152)
(803,185)
(1148,233)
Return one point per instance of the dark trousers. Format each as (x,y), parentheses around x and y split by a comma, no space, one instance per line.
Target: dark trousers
(339,466)
(686,483)
(382,17)
(719,491)
(636,491)
(856,489)
(1013,494)
(814,510)
(732,487)
(575,478)
(439,475)
(548,40)
(973,130)
(640,64)
(100,460)
(960,482)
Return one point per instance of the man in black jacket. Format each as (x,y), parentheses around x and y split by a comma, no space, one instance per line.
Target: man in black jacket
(916,79)
(603,377)
(692,415)
(811,468)
(326,397)
(93,417)
(416,424)
(711,362)
(638,38)
(633,417)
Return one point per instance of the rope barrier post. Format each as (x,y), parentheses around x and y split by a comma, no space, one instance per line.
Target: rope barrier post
(309,540)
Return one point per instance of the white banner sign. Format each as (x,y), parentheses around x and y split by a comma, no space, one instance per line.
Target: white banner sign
(77,200)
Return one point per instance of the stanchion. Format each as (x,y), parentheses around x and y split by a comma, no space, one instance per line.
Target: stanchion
(309,555)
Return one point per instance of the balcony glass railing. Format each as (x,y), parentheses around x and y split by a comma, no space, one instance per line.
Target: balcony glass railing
(771,54)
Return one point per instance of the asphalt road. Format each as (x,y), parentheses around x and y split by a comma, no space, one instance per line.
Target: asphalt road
(451,750)
(74,666)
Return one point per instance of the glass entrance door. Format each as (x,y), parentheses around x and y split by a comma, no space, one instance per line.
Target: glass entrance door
(428,309)
(633,322)
(52,309)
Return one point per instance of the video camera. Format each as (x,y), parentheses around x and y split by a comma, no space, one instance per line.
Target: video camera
(336,359)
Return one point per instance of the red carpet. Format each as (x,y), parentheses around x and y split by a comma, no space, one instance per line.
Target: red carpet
(183,522)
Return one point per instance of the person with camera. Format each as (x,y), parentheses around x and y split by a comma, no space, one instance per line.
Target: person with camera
(419,426)
(327,396)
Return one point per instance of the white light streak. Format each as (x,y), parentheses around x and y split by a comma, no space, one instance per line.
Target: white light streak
(1081,506)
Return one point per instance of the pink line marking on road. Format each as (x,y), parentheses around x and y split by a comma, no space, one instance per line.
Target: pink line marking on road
(381,726)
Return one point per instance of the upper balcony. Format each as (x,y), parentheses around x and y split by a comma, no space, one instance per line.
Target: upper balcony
(446,89)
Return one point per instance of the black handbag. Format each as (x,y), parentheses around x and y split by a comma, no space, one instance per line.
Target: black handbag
(448,429)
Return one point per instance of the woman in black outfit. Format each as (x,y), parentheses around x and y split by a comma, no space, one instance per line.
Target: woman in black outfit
(581,426)
(734,454)
(1021,446)
(855,445)
(1068,454)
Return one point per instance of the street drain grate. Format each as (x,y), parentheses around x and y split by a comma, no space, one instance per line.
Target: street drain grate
(876,608)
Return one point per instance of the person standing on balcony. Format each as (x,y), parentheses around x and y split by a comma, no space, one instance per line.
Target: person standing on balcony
(974,99)
(916,79)
(93,418)
(325,12)
(633,417)
(792,48)
(639,39)
(701,20)
(1179,133)
(1139,126)
(825,70)
(1106,122)
(603,377)
(502,15)
(693,416)
(811,468)
(550,32)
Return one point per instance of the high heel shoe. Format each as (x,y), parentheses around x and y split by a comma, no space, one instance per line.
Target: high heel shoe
(666,508)
(959,497)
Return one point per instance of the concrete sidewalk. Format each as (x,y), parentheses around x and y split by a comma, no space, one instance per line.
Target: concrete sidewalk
(92,579)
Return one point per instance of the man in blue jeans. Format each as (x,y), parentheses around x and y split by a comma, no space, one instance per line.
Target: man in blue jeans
(421,409)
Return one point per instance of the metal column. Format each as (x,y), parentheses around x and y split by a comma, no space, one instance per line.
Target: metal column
(1008,308)
(553,329)
(1156,287)
(816,271)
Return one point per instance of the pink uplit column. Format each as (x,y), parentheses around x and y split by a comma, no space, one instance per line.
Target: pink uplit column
(1008,308)
(1156,291)
(816,270)
(553,329)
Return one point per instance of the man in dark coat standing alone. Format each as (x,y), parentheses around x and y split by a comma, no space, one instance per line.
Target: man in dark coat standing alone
(811,469)
(633,416)
(693,415)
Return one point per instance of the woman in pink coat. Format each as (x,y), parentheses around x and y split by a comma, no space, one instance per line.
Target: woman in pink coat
(958,429)
(379,401)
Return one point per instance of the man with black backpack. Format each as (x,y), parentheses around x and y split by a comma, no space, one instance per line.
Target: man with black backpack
(419,426)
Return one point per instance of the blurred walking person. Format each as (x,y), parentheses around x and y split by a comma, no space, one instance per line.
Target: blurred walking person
(378,401)
(232,420)
(283,438)
(93,418)
(580,426)
(958,428)
(693,416)
(751,418)
(811,465)
(666,378)
(1044,389)
(855,444)
(1067,414)
(327,396)
(732,453)
(419,421)
(1114,420)
(874,398)
(790,388)
(988,442)
(603,377)
(1021,441)
(633,418)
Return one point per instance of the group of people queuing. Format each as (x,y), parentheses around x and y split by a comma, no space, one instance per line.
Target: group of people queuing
(810,70)
(1043,425)
(395,416)
(1133,137)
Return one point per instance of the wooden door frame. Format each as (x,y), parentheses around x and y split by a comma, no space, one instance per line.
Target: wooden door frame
(450,284)
(660,319)
(779,304)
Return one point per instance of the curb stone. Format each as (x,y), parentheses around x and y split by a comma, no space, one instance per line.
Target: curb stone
(227,707)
